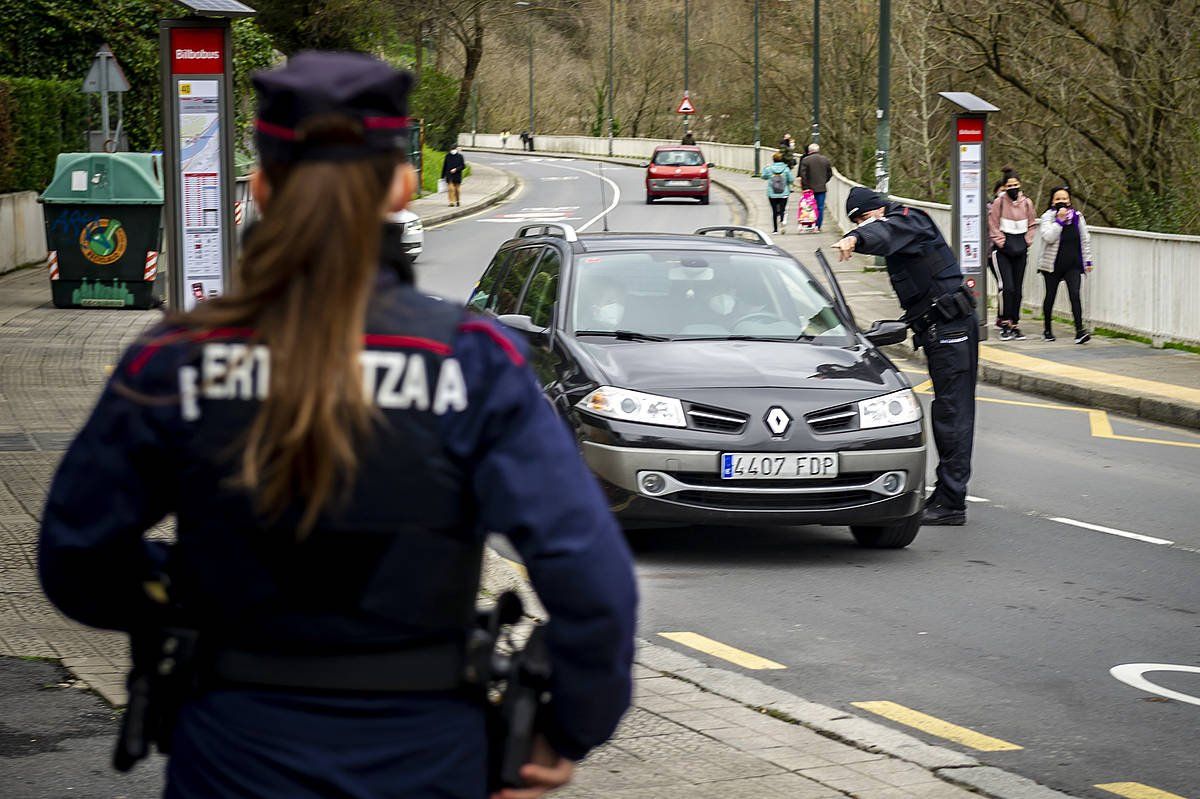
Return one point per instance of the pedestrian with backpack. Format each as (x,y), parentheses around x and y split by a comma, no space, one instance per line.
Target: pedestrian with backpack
(779,187)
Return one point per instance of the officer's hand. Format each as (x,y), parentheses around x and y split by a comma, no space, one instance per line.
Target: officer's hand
(546,771)
(845,247)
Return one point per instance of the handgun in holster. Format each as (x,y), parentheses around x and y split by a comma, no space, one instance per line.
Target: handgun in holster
(162,678)
(516,682)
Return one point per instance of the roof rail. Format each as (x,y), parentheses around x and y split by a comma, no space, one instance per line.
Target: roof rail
(732,231)
(543,229)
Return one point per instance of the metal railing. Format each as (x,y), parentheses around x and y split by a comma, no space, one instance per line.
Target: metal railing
(1144,283)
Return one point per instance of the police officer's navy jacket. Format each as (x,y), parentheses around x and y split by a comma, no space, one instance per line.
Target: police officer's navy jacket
(919,262)
(465,445)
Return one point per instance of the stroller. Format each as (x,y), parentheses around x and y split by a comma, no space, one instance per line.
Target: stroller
(806,213)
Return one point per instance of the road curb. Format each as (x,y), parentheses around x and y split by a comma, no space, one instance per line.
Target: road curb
(861,733)
(510,188)
(1157,409)
(741,213)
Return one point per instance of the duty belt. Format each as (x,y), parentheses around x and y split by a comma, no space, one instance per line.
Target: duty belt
(429,667)
(949,307)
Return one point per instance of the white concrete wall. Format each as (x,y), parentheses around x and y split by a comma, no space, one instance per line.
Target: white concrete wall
(22,230)
(1144,283)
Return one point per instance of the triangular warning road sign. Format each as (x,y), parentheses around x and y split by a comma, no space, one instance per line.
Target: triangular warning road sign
(685,106)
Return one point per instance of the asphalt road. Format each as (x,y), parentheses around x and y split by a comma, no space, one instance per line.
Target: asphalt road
(573,191)
(1008,626)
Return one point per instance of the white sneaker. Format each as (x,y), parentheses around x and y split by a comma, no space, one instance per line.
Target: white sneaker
(783,230)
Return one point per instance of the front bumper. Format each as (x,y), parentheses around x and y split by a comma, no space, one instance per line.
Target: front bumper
(661,187)
(694,493)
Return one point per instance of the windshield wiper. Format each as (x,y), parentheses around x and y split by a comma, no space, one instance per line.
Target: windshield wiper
(736,337)
(622,335)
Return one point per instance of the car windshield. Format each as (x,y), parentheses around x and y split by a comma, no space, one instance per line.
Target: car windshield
(702,295)
(678,158)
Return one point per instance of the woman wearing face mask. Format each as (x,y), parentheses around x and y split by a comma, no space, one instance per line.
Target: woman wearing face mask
(1011,224)
(1066,257)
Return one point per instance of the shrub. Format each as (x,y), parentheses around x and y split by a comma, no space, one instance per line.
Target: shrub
(38,120)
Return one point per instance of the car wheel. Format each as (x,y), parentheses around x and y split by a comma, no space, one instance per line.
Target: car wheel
(891,536)
(649,199)
(704,200)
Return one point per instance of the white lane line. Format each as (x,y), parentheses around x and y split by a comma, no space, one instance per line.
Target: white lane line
(616,193)
(970,497)
(1149,539)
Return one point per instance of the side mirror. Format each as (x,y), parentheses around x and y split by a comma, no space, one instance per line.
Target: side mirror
(524,325)
(644,165)
(890,332)
(710,165)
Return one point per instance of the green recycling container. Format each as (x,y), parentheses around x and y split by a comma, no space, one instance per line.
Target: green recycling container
(104,230)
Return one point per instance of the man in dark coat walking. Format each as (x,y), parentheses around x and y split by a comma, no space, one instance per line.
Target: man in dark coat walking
(452,173)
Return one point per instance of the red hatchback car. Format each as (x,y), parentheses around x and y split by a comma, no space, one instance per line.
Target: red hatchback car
(677,170)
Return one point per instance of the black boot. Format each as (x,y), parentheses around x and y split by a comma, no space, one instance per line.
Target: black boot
(938,515)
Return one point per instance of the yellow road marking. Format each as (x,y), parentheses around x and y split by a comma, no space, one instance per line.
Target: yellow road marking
(1101,427)
(719,650)
(519,568)
(1135,790)
(1079,374)
(935,726)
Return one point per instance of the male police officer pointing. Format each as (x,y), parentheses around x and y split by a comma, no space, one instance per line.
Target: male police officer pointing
(928,281)
(335,445)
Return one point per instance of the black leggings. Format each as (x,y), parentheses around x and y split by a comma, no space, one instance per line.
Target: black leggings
(1073,278)
(1012,274)
(778,211)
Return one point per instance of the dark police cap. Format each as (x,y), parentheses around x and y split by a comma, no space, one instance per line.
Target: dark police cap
(298,102)
(860,200)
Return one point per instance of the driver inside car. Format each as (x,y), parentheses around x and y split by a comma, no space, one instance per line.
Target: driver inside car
(606,305)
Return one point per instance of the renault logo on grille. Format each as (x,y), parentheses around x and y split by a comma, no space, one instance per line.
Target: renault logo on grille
(777,421)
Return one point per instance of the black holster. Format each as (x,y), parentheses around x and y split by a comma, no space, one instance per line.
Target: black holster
(163,677)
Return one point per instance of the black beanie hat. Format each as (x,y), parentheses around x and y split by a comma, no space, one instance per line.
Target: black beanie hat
(365,90)
(860,200)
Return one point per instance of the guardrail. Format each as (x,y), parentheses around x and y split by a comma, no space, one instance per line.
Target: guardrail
(1147,284)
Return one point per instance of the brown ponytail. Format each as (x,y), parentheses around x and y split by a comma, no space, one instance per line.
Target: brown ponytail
(305,278)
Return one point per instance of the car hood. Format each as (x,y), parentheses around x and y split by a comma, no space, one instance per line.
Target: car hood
(668,365)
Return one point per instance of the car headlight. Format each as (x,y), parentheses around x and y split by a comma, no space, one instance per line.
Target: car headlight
(899,407)
(634,406)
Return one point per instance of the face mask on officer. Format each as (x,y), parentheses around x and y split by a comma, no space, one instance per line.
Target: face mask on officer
(870,216)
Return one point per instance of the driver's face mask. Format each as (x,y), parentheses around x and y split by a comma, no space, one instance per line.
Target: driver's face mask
(609,313)
(722,304)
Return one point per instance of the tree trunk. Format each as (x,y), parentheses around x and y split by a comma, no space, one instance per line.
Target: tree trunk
(474,54)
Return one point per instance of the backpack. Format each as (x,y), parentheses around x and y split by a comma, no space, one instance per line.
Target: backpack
(778,183)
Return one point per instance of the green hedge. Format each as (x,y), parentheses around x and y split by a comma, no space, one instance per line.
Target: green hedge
(38,120)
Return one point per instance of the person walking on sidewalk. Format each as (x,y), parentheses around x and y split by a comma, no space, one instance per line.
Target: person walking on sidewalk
(779,187)
(1065,258)
(929,284)
(504,134)
(815,173)
(452,172)
(335,446)
(1012,222)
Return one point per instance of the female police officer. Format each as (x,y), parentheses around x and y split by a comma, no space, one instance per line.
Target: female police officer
(334,446)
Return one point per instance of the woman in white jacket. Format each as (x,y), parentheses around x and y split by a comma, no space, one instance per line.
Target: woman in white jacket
(1066,257)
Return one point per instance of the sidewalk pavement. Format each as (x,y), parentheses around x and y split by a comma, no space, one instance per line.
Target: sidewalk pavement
(52,365)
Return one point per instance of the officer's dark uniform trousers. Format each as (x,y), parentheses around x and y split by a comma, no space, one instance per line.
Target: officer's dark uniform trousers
(922,267)
(466,444)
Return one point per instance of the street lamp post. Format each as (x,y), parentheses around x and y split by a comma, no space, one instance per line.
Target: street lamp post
(612,9)
(685,60)
(757,107)
(816,73)
(883,130)
(526,4)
